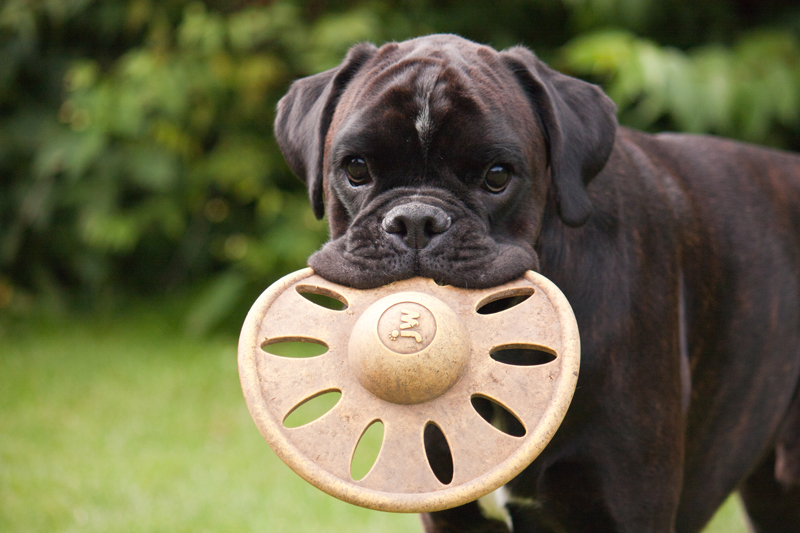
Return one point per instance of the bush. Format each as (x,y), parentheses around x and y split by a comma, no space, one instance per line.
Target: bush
(136,151)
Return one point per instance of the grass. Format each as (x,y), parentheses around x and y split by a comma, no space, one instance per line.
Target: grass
(122,424)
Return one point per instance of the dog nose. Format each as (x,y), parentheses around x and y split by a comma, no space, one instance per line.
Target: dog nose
(416,223)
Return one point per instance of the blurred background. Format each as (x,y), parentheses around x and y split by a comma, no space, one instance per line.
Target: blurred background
(144,205)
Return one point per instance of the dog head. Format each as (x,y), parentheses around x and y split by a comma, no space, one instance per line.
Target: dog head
(434,157)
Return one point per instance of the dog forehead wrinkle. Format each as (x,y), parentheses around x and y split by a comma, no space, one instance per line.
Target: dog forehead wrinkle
(388,74)
(348,136)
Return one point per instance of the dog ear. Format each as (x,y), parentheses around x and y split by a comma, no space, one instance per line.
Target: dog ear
(304,116)
(579,123)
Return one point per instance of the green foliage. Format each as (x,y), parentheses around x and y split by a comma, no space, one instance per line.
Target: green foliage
(136,150)
(750,90)
(154,167)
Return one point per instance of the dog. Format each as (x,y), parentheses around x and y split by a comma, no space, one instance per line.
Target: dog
(680,255)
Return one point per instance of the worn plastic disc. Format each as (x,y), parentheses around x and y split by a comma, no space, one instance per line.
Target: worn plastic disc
(412,354)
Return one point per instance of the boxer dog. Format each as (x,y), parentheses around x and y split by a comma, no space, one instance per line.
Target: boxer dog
(680,255)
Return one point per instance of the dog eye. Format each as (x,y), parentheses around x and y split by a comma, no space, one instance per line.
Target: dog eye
(496,180)
(357,171)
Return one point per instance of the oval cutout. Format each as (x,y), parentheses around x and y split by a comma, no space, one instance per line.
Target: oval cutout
(438,453)
(498,416)
(296,347)
(322,297)
(367,450)
(503,300)
(312,408)
(521,355)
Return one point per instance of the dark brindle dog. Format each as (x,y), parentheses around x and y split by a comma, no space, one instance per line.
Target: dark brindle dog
(680,255)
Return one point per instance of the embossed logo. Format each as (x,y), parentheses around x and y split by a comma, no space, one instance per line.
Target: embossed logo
(409,321)
(406,327)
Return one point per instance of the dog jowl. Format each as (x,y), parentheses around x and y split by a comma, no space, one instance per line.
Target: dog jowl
(680,256)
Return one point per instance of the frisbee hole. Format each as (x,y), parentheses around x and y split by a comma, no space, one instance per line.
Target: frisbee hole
(498,416)
(322,297)
(438,453)
(367,450)
(521,355)
(295,347)
(312,408)
(504,300)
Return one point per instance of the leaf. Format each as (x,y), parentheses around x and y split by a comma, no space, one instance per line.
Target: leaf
(238,165)
(333,35)
(67,151)
(252,27)
(201,31)
(152,168)
(113,232)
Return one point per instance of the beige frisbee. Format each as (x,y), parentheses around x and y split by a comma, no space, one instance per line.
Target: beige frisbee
(411,354)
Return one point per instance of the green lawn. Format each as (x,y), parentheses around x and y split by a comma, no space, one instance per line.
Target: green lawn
(125,424)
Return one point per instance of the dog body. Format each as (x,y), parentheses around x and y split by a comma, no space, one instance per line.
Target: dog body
(680,256)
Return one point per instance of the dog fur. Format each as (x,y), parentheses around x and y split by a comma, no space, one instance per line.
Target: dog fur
(680,256)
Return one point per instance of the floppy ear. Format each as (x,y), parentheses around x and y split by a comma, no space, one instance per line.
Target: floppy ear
(580,126)
(305,114)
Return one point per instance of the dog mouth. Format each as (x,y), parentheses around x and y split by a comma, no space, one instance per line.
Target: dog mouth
(399,236)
